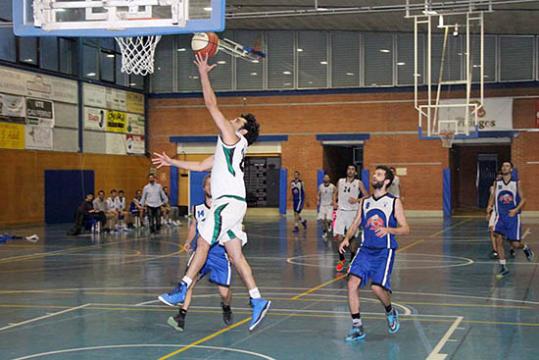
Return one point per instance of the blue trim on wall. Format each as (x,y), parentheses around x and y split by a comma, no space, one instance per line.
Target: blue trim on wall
(185,139)
(343,137)
(368,90)
(446,191)
(365,177)
(174,186)
(283,190)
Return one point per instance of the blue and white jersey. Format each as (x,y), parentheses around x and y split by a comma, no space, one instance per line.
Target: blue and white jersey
(506,196)
(298,191)
(200,213)
(377,213)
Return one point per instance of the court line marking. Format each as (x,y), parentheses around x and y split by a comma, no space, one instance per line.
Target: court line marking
(450,227)
(340,277)
(122,346)
(435,354)
(204,339)
(10,326)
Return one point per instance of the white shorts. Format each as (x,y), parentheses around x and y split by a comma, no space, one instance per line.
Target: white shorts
(344,220)
(224,221)
(492,220)
(325,212)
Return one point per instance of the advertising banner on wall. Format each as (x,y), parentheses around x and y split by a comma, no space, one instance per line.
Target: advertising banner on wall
(12,108)
(38,136)
(135,144)
(116,121)
(11,136)
(25,83)
(496,113)
(115,144)
(94,118)
(135,103)
(42,110)
(135,124)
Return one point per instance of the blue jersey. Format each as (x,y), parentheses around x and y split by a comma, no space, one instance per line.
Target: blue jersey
(298,190)
(506,196)
(376,213)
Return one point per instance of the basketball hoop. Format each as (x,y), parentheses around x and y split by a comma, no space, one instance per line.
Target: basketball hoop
(447,137)
(138,54)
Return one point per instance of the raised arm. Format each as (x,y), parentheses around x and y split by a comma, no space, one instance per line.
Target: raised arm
(164,160)
(228,134)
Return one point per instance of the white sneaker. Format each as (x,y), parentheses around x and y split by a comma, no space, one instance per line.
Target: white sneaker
(33,238)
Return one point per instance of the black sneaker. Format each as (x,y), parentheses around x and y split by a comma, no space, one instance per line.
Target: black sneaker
(512,253)
(177,322)
(227,314)
(529,254)
(503,272)
(494,255)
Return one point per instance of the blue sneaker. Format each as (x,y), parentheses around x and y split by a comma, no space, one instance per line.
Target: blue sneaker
(260,308)
(357,333)
(393,324)
(176,296)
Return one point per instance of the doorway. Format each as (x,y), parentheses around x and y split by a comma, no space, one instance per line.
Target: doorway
(338,157)
(473,170)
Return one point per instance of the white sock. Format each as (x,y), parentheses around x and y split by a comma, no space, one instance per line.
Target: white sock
(357,322)
(187,281)
(502,262)
(255,293)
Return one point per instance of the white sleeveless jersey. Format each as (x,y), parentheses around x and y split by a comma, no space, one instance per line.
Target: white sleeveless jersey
(326,194)
(227,171)
(506,197)
(346,190)
(201,211)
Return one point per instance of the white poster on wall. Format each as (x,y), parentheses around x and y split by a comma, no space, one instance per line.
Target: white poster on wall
(135,124)
(38,137)
(25,83)
(135,144)
(12,106)
(94,96)
(495,115)
(94,118)
(115,144)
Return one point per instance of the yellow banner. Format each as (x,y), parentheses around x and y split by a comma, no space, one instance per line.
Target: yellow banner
(11,136)
(116,121)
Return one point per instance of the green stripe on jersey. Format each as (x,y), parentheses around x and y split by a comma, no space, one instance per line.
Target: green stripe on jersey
(229,155)
(231,234)
(232,197)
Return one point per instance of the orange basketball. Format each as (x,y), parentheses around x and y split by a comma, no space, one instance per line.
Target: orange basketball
(205,44)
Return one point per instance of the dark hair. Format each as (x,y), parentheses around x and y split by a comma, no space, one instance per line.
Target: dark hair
(509,162)
(206,178)
(90,193)
(101,191)
(389,174)
(351,165)
(120,191)
(113,190)
(252,127)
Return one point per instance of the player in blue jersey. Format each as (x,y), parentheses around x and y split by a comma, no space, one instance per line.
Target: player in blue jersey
(381,216)
(297,187)
(508,200)
(217,264)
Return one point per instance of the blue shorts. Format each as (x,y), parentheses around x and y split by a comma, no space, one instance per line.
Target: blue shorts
(218,266)
(508,227)
(375,265)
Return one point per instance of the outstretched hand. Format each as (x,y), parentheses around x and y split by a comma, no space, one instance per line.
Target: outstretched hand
(201,61)
(344,244)
(161,160)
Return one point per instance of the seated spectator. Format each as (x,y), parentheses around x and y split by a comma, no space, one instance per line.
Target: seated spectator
(136,210)
(121,209)
(100,209)
(112,212)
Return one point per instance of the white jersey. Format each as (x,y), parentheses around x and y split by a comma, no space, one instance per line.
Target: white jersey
(227,171)
(347,190)
(120,203)
(326,194)
(201,212)
(111,203)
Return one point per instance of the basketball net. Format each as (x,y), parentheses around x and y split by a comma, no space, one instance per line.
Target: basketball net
(447,137)
(138,54)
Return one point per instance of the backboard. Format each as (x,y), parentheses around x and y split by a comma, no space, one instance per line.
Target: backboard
(116,18)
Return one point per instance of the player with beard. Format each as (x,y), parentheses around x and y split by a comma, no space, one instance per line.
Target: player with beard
(508,203)
(381,216)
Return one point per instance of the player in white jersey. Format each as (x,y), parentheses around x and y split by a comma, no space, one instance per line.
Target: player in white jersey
(491,218)
(326,193)
(350,190)
(223,224)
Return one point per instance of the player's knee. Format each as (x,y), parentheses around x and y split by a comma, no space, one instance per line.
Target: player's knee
(353,283)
